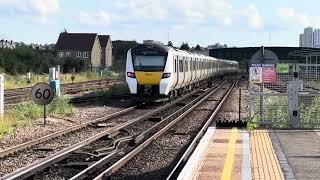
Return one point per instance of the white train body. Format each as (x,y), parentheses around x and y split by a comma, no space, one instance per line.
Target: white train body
(157,70)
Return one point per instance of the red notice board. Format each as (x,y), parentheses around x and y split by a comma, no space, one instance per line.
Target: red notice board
(269,75)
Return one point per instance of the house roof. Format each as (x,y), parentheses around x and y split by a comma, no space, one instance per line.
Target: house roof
(76,41)
(104,40)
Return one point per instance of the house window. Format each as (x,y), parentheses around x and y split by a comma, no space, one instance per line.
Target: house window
(68,54)
(78,55)
(60,54)
(85,54)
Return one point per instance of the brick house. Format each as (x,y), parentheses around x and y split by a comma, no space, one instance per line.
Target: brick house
(106,53)
(84,46)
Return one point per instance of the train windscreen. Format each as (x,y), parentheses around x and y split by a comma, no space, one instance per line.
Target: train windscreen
(149,63)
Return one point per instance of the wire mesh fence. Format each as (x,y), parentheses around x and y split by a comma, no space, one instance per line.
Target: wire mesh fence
(291,100)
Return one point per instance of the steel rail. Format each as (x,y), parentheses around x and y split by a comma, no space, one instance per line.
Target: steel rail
(196,140)
(86,173)
(46,162)
(140,137)
(139,148)
(25,145)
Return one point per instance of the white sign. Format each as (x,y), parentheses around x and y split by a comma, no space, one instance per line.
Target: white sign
(42,94)
(256,74)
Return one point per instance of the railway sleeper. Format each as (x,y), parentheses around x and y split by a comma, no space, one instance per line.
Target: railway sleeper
(155,119)
(181,104)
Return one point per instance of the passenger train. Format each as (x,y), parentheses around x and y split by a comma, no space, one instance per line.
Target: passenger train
(158,71)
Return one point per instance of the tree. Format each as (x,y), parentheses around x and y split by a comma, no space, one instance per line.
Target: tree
(24,59)
(119,53)
(185,46)
(170,44)
(197,48)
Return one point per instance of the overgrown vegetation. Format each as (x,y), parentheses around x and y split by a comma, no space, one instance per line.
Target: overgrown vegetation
(276,109)
(311,113)
(27,112)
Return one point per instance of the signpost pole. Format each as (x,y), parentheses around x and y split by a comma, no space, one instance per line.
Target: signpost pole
(44,114)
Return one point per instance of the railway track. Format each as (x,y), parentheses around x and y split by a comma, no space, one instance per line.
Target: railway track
(106,127)
(15,96)
(115,146)
(162,155)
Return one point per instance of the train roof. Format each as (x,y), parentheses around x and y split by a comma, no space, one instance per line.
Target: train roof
(180,51)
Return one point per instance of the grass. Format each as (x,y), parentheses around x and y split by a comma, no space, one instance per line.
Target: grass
(27,112)
(22,80)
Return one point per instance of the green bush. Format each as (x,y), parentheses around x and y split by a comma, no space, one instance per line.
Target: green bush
(311,114)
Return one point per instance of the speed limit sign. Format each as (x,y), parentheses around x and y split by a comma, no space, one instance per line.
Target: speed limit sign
(42,94)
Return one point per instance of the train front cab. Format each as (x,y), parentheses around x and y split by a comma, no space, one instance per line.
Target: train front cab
(145,71)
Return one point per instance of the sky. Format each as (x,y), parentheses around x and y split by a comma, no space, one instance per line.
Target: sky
(240,23)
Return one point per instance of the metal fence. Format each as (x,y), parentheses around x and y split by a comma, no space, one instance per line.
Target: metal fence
(293,100)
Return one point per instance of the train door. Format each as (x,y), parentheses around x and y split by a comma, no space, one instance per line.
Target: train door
(180,69)
(187,81)
(191,69)
(176,71)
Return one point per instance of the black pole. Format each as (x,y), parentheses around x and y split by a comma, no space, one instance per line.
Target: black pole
(239,104)
(44,114)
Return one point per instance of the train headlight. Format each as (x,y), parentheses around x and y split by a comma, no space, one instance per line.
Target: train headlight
(131,74)
(166,75)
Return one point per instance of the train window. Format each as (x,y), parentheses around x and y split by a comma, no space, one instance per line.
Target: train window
(175,66)
(180,66)
(185,66)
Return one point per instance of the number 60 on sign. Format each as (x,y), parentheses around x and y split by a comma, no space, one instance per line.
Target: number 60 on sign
(42,94)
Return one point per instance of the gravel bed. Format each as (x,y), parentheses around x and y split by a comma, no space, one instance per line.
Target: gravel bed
(20,159)
(157,160)
(37,129)
(230,108)
(133,130)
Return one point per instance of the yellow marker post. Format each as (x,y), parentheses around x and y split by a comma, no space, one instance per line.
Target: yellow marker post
(227,169)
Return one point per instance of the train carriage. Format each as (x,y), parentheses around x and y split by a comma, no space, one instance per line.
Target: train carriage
(157,71)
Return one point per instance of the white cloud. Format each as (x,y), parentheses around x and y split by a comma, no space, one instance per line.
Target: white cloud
(293,17)
(139,9)
(254,18)
(214,12)
(99,19)
(41,10)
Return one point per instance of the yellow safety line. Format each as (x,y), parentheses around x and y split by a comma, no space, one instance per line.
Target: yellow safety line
(227,169)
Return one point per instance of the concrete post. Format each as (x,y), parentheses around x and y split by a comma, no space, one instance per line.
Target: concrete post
(1,95)
(52,74)
(58,72)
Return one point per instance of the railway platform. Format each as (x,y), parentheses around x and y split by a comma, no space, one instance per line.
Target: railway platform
(233,154)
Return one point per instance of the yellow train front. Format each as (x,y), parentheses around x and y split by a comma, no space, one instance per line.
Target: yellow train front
(157,72)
